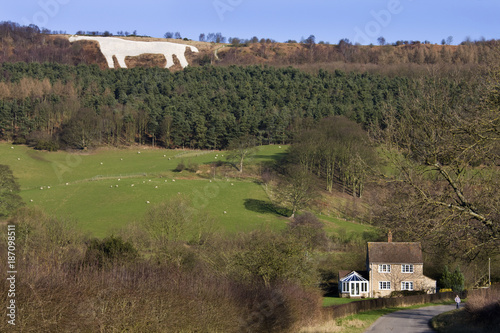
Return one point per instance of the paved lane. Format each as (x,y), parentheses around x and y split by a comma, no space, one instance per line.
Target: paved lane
(409,321)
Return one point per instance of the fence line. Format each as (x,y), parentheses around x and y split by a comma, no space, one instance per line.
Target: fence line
(343,310)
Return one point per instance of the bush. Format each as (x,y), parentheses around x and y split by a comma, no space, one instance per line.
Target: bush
(454,281)
(193,166)
(180,167)
(404,293)
(109,250)
(46,145)
(308,230)
(19,140)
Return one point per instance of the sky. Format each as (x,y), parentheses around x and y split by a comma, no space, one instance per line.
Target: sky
(361,21)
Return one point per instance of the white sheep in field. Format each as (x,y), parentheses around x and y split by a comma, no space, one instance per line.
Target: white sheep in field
(147,202)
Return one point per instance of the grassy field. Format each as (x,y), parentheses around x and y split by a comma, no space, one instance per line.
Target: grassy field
(108,188)
(330,301)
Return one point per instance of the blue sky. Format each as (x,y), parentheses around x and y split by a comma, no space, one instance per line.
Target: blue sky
(360,21)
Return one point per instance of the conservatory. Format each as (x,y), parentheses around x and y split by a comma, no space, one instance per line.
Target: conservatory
(353,285)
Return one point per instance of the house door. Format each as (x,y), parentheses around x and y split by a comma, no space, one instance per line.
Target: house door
(355,288)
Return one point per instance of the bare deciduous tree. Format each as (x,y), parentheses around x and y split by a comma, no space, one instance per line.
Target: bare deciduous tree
(445,152)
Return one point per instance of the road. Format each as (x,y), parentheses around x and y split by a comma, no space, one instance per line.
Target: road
(408,321)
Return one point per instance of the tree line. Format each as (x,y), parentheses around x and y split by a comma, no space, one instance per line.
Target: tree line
(200,107)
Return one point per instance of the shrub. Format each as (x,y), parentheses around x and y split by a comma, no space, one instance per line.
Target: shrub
(454,281)
(404,293)
(180,167)
(484,307)
(109,250)
(193,166)
(46,145)
(309,231)
(19,140)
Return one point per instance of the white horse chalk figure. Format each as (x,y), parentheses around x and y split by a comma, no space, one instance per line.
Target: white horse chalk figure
(122,48)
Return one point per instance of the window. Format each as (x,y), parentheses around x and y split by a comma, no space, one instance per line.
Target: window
(384,268)
(384,285)
(406,285)
(406,268)
(364,287)
(345,287)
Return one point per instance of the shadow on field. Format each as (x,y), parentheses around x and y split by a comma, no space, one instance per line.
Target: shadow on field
(274,157)
(265,207)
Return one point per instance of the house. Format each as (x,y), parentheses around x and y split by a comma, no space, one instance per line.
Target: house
(391,266)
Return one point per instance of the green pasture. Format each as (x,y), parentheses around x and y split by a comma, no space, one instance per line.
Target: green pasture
(104,190)
(108,188)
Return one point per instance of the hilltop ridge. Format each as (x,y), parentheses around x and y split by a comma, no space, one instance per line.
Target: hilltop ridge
(27,44)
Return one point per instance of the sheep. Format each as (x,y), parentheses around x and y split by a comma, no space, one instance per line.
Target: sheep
(147,201)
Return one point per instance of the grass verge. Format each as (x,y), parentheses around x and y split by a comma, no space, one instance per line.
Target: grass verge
(358,323)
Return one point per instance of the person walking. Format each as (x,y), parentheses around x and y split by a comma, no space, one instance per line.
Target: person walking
(457,300)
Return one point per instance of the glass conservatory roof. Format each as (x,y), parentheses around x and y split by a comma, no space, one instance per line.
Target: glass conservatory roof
(353,276)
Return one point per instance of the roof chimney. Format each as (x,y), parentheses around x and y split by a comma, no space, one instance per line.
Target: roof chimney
(389,237)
